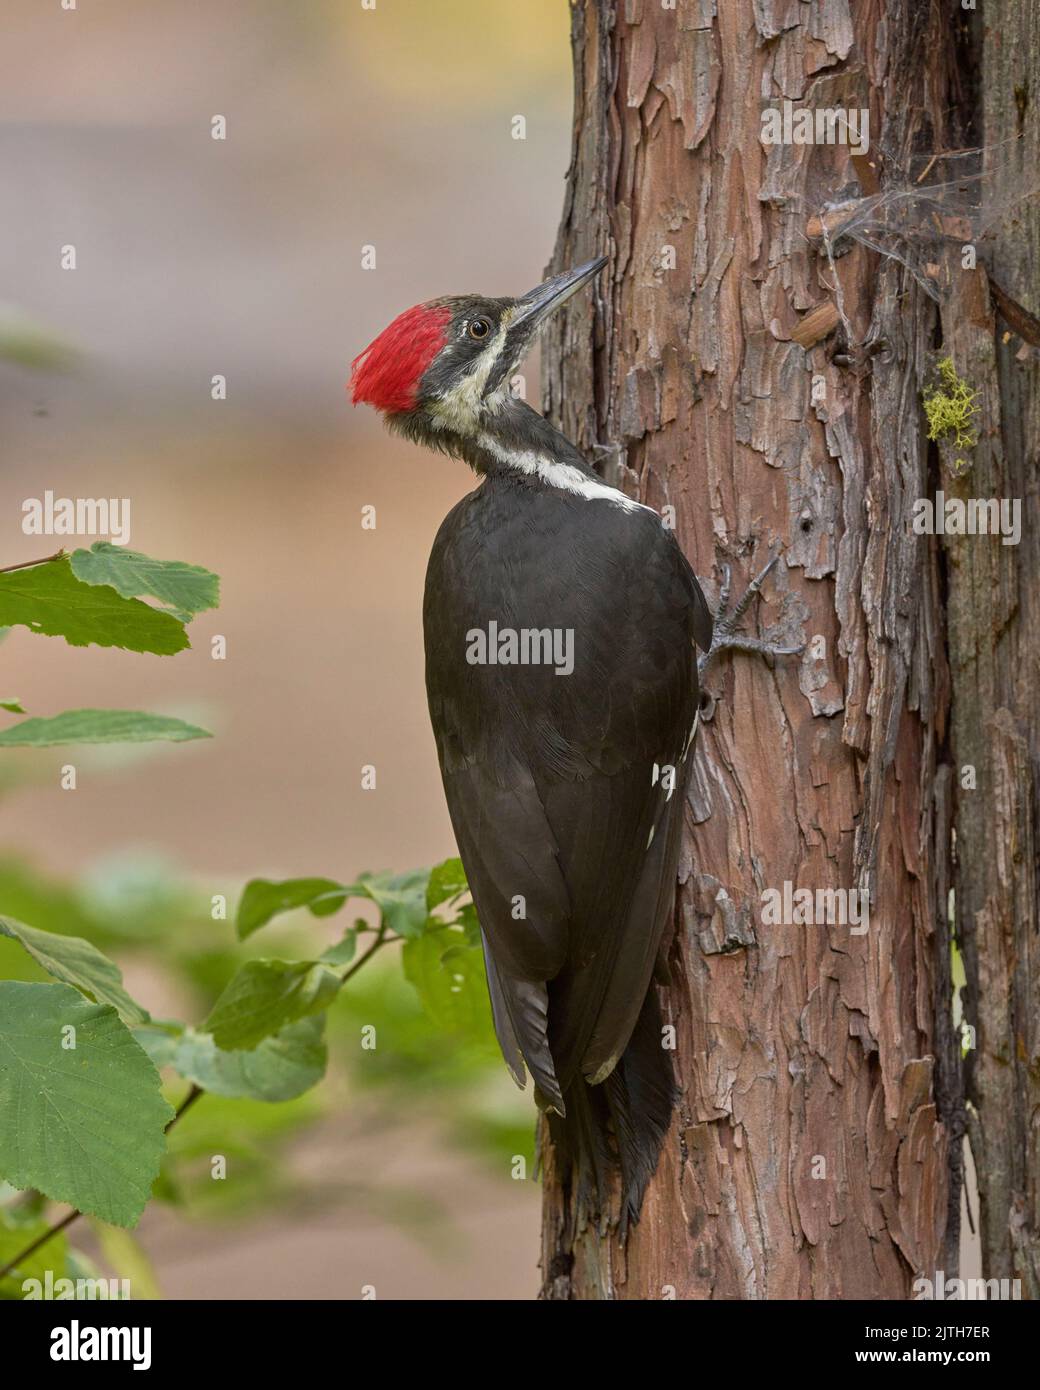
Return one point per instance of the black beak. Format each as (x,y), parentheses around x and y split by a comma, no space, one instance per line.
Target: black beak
(537,304)
(531,311)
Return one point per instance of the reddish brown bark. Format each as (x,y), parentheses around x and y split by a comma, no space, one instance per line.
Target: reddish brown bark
(811,1154)
(994,619)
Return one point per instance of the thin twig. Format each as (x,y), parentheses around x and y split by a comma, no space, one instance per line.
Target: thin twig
(40,1240)
(28,564)
(381,940)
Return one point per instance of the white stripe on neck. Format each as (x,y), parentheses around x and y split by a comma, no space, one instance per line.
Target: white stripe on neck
(562,475)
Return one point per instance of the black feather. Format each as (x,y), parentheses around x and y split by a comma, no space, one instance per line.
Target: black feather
(550,781)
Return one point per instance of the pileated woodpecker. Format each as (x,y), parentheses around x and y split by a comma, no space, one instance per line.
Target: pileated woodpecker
(560,619)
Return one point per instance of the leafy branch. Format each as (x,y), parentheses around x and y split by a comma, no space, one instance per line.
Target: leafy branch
(263,1037)
(96,597)
(83,1115)
(74,1215)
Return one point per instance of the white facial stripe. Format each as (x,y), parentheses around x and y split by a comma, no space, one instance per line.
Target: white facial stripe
(562,475)
(459,409)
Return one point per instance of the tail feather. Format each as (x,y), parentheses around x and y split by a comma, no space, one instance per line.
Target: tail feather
(616,1127)
(641,1094)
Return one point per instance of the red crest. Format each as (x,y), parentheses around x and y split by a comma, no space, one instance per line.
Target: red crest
(388,372)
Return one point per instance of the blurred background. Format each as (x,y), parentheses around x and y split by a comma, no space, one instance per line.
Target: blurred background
(347,127)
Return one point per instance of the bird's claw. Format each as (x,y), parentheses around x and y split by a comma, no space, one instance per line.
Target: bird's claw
(726,638)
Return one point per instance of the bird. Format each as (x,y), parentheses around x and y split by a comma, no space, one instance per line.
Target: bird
(562,622)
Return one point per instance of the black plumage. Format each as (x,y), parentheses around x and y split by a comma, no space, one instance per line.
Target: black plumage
(550,781)
(566,777)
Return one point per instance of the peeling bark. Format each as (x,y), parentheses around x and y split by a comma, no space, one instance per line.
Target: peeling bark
(811,1154)
(994,618)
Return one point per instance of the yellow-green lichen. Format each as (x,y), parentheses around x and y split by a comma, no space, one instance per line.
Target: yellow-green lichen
(950,408)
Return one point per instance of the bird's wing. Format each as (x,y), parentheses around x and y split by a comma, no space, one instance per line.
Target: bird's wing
(565,790)
(509,854)
(700,614)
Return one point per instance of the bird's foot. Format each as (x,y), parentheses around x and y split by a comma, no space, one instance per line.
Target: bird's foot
(725,637)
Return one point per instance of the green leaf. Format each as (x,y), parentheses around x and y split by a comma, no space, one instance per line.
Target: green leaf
(188,589)
(280,1068)
(13,1240)
(344,951)
(449,976)
(266,995)
(49,599)
(467,919)
(83,1124)
(76,962)
(401,898)
(12,706)
(264,899)
(161,1041)
(98,726)
(447,881)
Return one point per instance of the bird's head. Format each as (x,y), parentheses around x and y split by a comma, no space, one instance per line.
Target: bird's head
(444,367)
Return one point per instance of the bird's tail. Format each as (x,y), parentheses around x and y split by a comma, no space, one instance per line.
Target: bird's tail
(615,1130)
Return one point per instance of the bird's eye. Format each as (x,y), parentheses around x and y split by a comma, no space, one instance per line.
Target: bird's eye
(480,328)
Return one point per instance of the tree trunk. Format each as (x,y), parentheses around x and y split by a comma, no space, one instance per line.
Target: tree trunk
(994,619)
(815,1152)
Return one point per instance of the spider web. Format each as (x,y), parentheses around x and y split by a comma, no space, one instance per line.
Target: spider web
(957,196)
